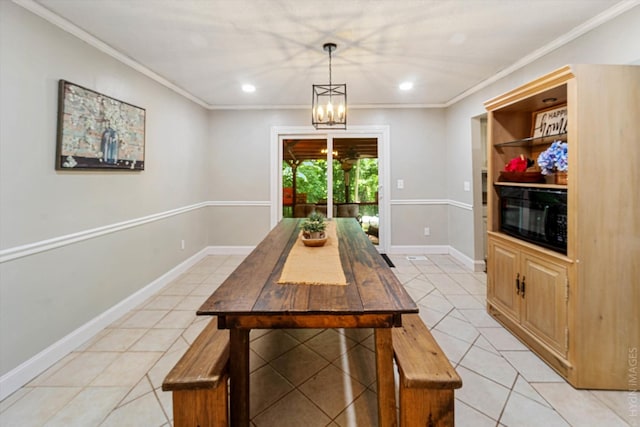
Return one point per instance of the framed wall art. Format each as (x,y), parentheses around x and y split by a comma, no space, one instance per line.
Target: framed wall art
(96,131)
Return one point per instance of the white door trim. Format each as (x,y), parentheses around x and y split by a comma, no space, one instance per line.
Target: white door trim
(381,132)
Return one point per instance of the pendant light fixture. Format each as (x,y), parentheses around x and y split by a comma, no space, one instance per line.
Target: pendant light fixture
(329,103)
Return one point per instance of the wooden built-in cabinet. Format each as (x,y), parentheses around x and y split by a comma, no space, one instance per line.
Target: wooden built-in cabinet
(529,290)
(579,310)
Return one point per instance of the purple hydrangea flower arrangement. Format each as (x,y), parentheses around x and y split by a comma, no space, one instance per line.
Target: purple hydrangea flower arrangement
(554,158)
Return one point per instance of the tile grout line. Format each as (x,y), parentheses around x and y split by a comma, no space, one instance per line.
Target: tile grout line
(329,363)
(511,391)
(29,389)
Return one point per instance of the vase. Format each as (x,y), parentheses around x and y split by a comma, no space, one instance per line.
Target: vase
(560,178)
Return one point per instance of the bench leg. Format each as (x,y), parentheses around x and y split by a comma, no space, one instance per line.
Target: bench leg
(426,407)
(204,407)
(384,370)
(239,373)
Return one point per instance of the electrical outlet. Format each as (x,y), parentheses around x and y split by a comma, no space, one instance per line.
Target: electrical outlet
(467,186)
(400,184)
(182,244)
(427,231)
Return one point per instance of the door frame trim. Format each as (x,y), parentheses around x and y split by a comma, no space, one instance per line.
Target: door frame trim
(381,132)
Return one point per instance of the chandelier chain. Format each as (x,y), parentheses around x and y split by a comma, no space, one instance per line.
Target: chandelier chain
(330,49)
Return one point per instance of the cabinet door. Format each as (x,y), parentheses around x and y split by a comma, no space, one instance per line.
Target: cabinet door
(544,305)
(502,272)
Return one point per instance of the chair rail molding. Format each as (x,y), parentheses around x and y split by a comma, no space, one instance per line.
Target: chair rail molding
(28,249)
(418,202)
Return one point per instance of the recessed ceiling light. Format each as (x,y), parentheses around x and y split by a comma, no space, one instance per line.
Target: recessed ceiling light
(406,86)
(248,88)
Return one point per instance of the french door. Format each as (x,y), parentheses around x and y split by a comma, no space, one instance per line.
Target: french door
(335,176)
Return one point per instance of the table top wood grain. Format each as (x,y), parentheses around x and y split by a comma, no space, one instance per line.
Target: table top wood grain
(253,288)
(252,298)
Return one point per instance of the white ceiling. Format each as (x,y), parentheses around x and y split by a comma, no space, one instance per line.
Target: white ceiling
(209,48)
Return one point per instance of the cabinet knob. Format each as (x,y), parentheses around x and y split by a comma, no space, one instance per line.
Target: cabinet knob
(522,287)
(518,284)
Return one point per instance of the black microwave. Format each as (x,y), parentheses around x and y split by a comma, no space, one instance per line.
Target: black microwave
(537,215)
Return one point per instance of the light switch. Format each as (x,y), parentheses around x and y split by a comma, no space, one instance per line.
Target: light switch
(400,184)
(467,186)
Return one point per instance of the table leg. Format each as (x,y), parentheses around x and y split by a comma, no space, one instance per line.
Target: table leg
(239,377)
(384,369)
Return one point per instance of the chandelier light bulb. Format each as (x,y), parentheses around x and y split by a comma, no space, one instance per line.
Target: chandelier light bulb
(329,101)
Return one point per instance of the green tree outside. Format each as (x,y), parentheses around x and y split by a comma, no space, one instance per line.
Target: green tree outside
(311,179)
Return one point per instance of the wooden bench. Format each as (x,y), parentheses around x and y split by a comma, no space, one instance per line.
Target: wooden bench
(199,381)
(427,379)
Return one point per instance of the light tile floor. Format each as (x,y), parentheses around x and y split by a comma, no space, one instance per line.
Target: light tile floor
(310,377)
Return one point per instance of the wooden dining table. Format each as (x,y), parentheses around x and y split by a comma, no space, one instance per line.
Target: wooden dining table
(252,298)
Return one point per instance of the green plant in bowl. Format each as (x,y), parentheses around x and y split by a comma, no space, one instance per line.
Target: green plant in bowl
(314,225)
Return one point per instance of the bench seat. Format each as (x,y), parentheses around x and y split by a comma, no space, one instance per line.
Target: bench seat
(427,378)
(199,381)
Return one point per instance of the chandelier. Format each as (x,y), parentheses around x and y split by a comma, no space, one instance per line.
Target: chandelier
(329,103)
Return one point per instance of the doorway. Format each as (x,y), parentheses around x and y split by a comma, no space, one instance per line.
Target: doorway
(479,150)
(352,169)
(369,144)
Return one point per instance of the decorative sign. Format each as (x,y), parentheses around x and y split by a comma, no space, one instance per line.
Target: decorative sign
(98,132)
(549,122)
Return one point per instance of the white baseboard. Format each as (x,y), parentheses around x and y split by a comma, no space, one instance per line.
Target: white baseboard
(480,266)
(418,249)
(471,264)
(28,370)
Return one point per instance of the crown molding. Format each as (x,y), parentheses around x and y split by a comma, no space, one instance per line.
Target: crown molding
(576,32)
(306,107)
(78,32)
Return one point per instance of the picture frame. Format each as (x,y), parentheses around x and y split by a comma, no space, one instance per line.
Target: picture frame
(550,121)
(96,131)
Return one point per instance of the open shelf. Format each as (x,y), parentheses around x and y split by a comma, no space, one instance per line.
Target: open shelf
(531,142)
(580,299)
(530,184)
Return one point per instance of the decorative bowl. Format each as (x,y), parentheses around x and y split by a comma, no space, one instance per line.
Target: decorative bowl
(314,242)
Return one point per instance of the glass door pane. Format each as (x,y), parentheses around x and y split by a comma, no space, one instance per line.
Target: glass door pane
(355,182)
(354,188)
(304,177)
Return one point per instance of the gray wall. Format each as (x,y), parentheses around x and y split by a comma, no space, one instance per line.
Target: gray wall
(615,42)
(46,295)
(239,170)
(195,158)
